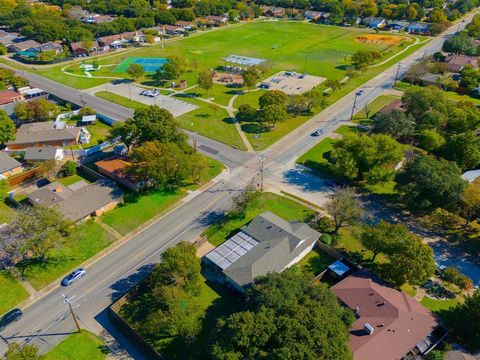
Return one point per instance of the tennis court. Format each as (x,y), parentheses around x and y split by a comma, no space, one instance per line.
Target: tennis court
(148,64)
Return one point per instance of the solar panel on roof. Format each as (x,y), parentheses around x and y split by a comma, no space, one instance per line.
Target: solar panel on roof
(231,250)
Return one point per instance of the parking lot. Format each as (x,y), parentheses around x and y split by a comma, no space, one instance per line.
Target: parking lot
(291,83)
(128,90)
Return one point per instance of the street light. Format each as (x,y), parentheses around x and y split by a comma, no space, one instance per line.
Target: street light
(68,300)
(357,94)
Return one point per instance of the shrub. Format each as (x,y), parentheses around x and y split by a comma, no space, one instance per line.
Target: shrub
(326,239)
(86,111)
(69,168)
(453,275)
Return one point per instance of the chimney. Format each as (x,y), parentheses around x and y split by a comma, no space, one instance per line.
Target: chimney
(368,328)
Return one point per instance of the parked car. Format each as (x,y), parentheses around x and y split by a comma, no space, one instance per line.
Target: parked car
(74,276)
(317,132)
(9,317)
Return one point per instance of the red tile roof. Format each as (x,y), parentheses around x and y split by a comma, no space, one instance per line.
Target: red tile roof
(8,96)
(398,320)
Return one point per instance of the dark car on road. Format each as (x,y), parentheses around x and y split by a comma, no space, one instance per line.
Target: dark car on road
(9,317)
(77,274)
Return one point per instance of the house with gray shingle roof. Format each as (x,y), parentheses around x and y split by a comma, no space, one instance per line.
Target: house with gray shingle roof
(44,134)
(8,165)
(78,201)
(267,244)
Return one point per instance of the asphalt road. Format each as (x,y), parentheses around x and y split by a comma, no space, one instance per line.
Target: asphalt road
(47,321)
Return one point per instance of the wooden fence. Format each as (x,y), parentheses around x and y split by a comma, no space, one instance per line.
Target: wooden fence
(127,330)
(25,176)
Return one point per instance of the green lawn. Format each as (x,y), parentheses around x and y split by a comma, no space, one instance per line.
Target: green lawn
(452,95)
(72,179)
(79,346)
(120,100)
(261,140)
(211,122)
(12,292)
(139,208)
(373,107)
(324,51)
(325,48)
(316,261)
(250,98)
(6,213)
(99,132)
(220,94)
(317,157)
(438,305)
(279,205)
(89,240)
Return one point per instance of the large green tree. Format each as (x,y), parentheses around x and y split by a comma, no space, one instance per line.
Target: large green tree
(344,207)
(463,322)
(358,157)
(394,123)
(419,101)
(287,317)
(464,149)
(135,71)
(36,110)
(149,124)
(409,260)
(205,80)
(7,128)
(427,183)
(162,165)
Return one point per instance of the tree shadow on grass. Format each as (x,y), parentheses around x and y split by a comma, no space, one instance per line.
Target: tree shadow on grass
(255,128)
(202,116)
(342,67)
(229,120)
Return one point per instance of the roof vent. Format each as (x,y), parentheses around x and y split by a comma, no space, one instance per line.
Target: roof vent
(368,328)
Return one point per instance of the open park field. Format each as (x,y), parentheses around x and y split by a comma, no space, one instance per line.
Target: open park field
(318,50)
(323,51)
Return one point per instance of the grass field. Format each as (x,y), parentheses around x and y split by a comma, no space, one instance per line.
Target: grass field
(279,205)
(377,104)
(323,51)
(139,208)
(89,240)
(438,305)
(80,346)
(12,292)
(212,123)
(316,261)
(325,48)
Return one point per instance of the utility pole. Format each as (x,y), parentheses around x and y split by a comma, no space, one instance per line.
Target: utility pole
(357,94)
(130,91)
(69,302)
(396,75)
(261,172)
(81,98)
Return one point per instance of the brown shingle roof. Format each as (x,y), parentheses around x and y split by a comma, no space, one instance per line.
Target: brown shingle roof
(398,320)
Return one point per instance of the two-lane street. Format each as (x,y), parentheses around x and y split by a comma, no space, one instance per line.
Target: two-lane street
(47,321)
